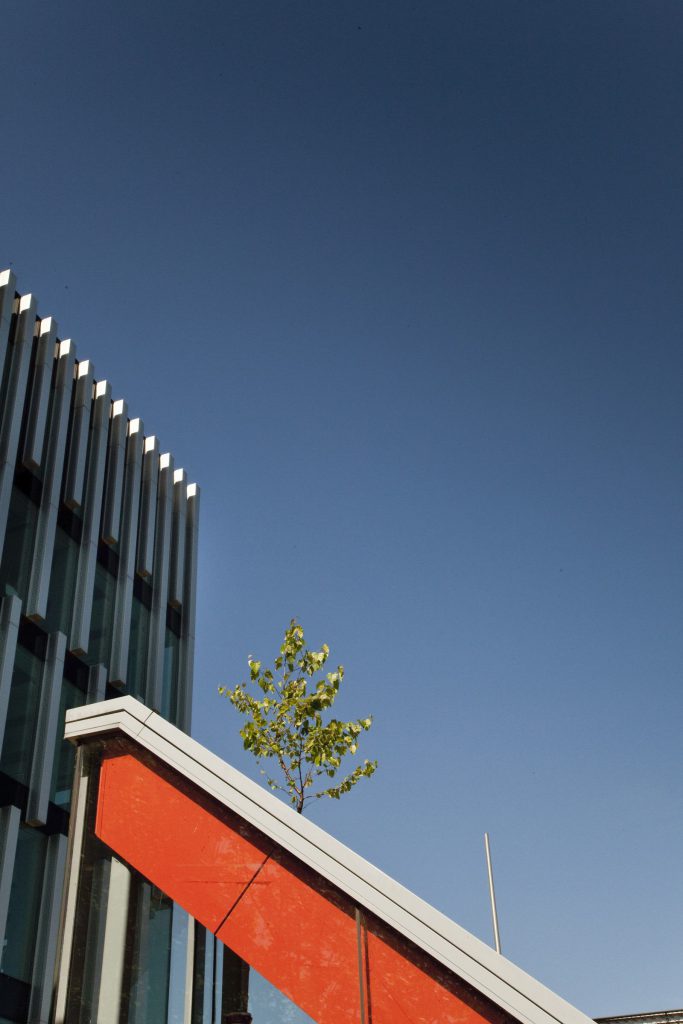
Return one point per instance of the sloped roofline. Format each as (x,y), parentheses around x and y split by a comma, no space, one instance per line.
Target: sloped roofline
(468,957)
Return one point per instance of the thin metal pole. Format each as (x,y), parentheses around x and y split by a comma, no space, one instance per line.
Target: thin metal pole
(492,893)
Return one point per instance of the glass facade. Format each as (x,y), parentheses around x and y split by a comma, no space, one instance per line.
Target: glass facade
(53,550)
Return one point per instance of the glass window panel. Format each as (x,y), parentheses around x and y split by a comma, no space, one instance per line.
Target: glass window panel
(65,752)
(24,904)
(22,715)
(268,1005)
(17,555)
(62,583)
(151,959)
(169,694)
(137,652)
(99,646)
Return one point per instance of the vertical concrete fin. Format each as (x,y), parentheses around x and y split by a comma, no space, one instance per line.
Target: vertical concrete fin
(34,438)
(162,547)
(74,477)
(123,602)
(97,684)
(148,507)
(48,929)
(177,569)
(8,288)
(46,731)
(92,510)
(188,622)
(10,817)
(113,942)
(41,566)
(10,613)
(19,356)
(113,488)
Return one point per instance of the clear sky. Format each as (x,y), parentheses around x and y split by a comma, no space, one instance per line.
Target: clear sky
(399,284)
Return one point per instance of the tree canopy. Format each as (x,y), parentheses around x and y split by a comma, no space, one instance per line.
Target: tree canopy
(287,722)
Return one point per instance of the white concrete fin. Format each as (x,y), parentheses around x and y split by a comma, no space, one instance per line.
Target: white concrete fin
(41,566)
(7,293)
(34,438)
(116,454)
(46,734)
(10,614)
(118,662)
(10,817)
(162,548)
(74,480)
(97,684)
(148,507)
(48,929)
(116,890)
(11,413)
(189,615)
(79,636)
(177,569)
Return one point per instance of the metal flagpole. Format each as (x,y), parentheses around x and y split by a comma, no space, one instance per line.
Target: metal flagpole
(492,893)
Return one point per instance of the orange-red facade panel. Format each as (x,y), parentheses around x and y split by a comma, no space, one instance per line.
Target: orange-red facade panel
(285,920)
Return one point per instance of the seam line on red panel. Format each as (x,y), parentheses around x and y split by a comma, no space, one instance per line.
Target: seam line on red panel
(243,893)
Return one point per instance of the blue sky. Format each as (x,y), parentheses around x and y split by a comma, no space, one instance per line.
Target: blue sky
(399,284)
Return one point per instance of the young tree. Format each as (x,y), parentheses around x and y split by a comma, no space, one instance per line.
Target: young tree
(288,722)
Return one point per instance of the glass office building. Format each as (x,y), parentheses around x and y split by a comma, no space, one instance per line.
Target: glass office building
(98,534)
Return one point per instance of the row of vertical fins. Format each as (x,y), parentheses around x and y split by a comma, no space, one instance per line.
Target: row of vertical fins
(62,425)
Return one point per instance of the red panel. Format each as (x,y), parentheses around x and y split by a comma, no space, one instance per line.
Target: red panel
(200,860)
(300,934)
(407,987)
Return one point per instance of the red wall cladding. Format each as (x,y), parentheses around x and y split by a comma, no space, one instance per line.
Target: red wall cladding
(285,920)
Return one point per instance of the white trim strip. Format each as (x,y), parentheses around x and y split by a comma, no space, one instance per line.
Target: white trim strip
(469,958)
(76,839)
(112,965)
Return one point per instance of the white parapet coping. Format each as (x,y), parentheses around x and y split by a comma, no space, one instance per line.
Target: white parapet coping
(466,956)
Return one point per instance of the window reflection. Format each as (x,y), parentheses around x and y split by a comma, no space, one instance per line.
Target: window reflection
(17,553)
(24,904)
(268,1005)
(22,716)
(152,923)
(62,583)
(65,752)
(101,622)
(169,695)
(137,654)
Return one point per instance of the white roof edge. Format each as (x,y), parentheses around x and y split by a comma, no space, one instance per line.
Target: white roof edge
(468,957)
